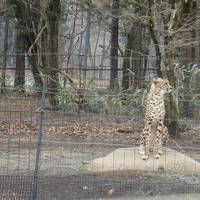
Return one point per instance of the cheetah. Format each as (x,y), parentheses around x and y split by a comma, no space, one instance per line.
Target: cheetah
(155,133)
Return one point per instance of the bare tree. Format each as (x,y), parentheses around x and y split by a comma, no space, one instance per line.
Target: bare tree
(138,64)
(5,54)
(114,45)
(72,35)
(151,27)
(126,60)
(95,50)
(31,38)
(52,70)
(103,55)
(20,8)
(174,22)
(86,41)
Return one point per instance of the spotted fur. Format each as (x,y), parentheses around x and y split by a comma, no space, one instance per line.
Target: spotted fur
(155,133)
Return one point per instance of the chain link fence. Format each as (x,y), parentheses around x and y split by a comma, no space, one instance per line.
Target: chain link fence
(45,152)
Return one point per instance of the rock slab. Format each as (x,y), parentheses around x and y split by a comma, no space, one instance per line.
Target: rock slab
(130,159)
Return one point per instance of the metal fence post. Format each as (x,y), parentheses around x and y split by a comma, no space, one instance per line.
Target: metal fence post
(39,142)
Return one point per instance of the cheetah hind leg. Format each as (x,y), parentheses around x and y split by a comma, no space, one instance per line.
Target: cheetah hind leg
(165,136)
(164,139)
(161,140)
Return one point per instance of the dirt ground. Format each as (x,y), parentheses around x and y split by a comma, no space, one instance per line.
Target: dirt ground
(95,186)
(69,143)
(67,148)
(161,197)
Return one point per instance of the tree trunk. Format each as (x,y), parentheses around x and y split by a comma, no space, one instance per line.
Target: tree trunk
(5,56)
(69,55)
(114,46)
(42,36)
(126,61)
(54,14)
(172,109)
(32,24)
(21,31)
(20,56)
(186,52)
(34,69)
(186,101)
(86,42)
(95,51)
(151,28)
(173,114)
(197,52)
(137,58)
(80,54)
(32,57)
(103,56)
(126,66)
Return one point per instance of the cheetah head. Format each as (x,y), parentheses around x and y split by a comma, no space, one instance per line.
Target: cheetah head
(161,86)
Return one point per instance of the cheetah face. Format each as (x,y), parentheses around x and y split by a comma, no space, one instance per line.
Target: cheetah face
(161,86)
(167,87)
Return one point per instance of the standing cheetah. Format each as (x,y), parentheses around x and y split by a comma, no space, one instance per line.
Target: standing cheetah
(155,133)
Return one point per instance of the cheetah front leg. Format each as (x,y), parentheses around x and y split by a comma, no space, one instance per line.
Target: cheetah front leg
(145,143)
(158,140)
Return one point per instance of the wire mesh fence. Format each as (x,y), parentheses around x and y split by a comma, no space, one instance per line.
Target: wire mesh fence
(62,176)
(85,146)
(50,152)
(58,164)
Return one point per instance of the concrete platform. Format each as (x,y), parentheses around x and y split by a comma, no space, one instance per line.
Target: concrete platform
(130,159)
